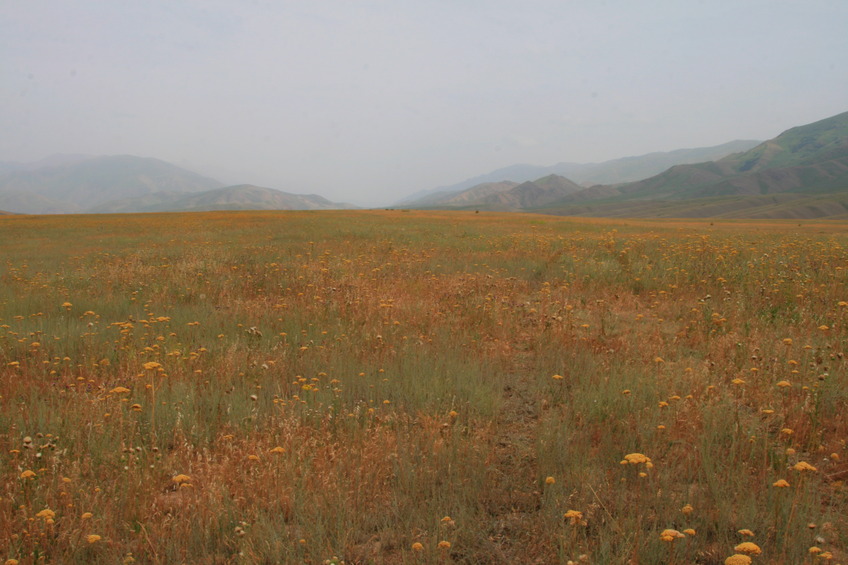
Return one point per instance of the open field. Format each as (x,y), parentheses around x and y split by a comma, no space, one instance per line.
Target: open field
(413,387)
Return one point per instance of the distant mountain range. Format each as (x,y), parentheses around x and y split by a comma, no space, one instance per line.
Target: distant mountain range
(616,171)
(802,173)
(125,183)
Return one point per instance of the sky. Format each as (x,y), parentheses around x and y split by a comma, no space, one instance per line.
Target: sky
(368,101)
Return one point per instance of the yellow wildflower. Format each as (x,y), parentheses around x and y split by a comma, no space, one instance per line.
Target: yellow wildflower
(804,466)
(670,535)
(749,548)
(738,559)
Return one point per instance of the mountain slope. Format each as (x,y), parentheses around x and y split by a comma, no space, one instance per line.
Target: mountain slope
(535,194)
(86,183)
(240,197)
(811,159)
(608,172)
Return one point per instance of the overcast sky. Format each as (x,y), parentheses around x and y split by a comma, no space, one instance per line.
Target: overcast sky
(368,101)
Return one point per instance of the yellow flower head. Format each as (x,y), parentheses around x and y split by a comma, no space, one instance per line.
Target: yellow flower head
(687,509)
(784,384)
(444,544)
(574,517)
(550,480)
(417,546)
(746,532)
(738,559)
(780,483)
(46,514)
(92,538)
(670,535)
(749,548)
(804,466)
(179,479)
(636,458)
(28,474)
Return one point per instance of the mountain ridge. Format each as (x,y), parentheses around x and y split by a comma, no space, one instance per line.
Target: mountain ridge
(612,171)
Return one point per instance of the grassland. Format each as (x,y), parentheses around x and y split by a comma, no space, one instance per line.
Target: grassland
(410,387)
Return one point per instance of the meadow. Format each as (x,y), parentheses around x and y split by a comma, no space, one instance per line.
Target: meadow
(421,388)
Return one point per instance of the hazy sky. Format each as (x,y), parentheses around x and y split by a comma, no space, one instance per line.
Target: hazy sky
(368,101)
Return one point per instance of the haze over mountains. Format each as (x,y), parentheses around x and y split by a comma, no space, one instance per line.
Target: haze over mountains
(625,169)
(802,173)
(125,183)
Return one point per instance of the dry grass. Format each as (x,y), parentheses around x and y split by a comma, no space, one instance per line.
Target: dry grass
(410,387)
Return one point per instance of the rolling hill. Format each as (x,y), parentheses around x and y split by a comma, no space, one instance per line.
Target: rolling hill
(125,183)
(615,171)
(82,184)
(805,159)
(801,173)
(240,197)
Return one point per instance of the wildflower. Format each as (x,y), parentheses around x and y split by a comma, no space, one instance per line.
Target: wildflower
(780,483)
(804,466)
(636,458)
(417,546)
(278,449)
(749,548)
(444,544)
(738,381)
(687,509)
(814,550)
(179,479)
(738,559)
(574,517)
(28,474)
(670,535)
(746,532)
(92,538)
(86,515)
(152,365)
(67,305)
(119,390)
(787,341)
(689,532)
(659,360)
(46,514)
(823,328)
(557,377)
(11,562)
(136,407)
(784,384)
(550,480)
